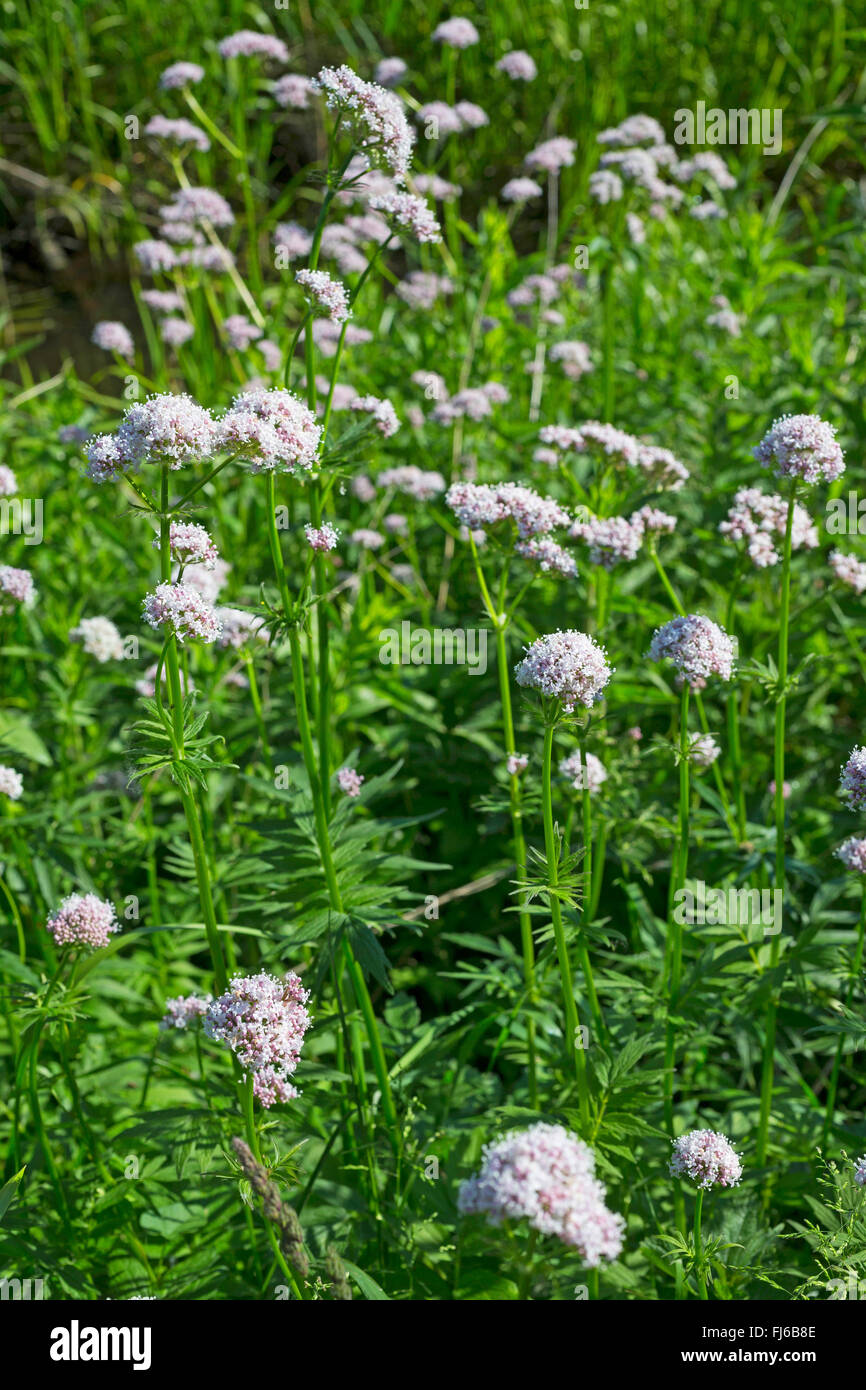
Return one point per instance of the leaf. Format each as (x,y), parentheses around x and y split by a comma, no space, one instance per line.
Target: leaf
(368,1286)
(17,734)
(9,1191)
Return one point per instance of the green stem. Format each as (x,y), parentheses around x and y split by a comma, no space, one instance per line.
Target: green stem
(190,809)
(768,1061)
(572,1022)
(699,1254)
(257,706)
(519,842)
(253,1141)
(321,822)
(674,953)
(586,912)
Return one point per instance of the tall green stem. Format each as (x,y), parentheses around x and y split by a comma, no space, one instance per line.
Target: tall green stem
(519,841)
(356,975)
(674,951)
(253,1141)
(572,1022)
(699,1252)
(190,809)
(768,1063)
(586,909)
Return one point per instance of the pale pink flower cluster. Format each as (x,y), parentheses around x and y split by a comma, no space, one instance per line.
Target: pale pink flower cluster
(756,517)
(661,468)
(860,1171)
(707,1158)
(634,130)
(382,411)
(99,637)
(611,539)
(322,537)
(615,445)
(11,782)
(439,189)
(193,206)
(389,71)
(420,483)
(207,582)
(470,116)
(166,428)
(724,316)
(183,610)
(248,43)
(327,335)
(292,240)
(516,763)
(569,666)
(190,544)
(421,288)
(456,33)
(16,586)
(546,1175)
(378,116)
(271,430)
(477,505)
(707,211)
(180,75)
(8,481)
(605,186)
(852,783)
(540,289)
(518,65)
(410,212)
(342,241)
(848,570)
(240,627)
(325,292)
(473,403)
(572,768)
(179,130)
(852,852)
(552,155)
(703,750)
(574,356)
(113,337)
(295,90)
(697,646)
(802,447)
(263,1020)
(184,1009)
(636,229)
(548,555)
(162,301)
(637,166)
(350,781)
(709,163)
(367,539)
(241,331)
(83,920)
(146,685)
(520,190)
(654,520)
(362,488)
(175,331)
